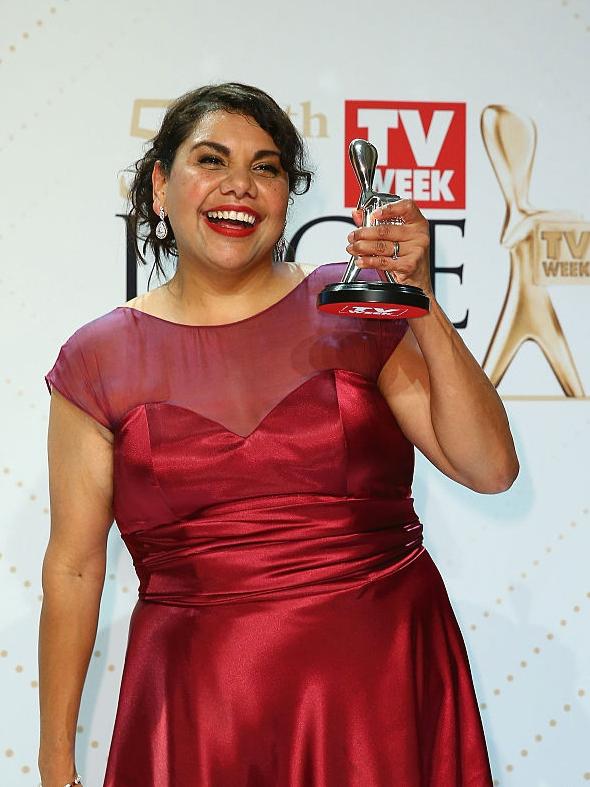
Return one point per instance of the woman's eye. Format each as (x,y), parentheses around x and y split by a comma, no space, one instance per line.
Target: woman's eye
(268,168)
(210,159)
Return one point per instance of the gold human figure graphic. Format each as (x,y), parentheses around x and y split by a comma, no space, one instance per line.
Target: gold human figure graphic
(527,313)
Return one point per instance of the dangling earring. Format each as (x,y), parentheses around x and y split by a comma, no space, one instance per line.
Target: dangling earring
(161,226)
(280,250)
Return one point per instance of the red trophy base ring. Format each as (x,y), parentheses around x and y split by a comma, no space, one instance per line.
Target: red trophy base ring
(373,300)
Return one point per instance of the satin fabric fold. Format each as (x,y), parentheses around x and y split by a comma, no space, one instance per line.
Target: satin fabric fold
(276,548)
(364,686)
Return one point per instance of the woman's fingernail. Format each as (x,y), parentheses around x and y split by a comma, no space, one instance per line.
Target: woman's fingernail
(350,237)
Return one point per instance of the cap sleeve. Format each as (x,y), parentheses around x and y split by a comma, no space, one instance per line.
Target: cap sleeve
(76,375)
(391,332)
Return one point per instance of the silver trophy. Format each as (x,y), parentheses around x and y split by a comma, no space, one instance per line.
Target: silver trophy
(385,299)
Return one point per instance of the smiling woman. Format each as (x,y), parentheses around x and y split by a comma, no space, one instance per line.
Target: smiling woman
(224,167)
(257,456)
(286,152)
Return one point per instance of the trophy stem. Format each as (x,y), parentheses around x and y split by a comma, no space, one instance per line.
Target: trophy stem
(352,271)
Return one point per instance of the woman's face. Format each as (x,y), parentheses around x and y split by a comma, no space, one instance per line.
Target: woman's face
(226,195)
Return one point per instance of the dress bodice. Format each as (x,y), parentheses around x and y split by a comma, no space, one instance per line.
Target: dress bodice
(253,457)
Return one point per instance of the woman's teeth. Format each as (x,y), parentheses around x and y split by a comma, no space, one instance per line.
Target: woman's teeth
(232,215)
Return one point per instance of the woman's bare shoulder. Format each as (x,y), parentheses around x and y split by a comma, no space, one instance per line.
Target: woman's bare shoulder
(146,301)
(307,267)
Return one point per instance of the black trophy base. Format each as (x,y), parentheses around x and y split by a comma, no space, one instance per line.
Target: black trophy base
(373,300)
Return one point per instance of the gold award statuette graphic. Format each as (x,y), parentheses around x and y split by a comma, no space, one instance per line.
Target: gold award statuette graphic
(546,248)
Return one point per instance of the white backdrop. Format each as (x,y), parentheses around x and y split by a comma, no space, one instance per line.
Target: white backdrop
(71,74)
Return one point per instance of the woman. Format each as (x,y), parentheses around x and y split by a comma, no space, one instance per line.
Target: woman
(257,456)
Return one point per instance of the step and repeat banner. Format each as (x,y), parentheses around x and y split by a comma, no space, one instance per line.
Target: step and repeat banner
(480,114)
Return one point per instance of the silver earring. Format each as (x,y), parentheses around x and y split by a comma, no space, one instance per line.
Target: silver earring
(161,226)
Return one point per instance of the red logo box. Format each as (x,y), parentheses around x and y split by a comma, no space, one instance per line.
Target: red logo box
(421,149)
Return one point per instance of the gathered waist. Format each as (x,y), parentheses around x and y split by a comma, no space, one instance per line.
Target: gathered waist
(276,547)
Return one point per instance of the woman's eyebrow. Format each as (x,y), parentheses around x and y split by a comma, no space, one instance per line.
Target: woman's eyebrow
(226,151)
(215,145)
(265,153)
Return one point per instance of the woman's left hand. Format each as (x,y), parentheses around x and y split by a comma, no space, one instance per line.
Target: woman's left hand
(376,246)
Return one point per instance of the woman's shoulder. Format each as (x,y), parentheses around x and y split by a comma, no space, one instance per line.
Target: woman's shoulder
(145,301)
(328,269)
(101,332)
(104,324)
(312,266)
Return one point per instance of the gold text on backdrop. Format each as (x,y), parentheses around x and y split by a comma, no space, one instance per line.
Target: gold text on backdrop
(144,121)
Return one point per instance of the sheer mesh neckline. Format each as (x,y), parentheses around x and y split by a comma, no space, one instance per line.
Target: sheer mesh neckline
(231,377)
(272,306)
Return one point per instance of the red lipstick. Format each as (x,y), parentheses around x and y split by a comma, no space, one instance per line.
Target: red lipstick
(232,227)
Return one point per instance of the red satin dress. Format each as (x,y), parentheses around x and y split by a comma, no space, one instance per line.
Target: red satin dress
(291,630)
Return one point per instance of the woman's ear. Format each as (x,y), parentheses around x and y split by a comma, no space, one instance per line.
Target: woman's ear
(159,183)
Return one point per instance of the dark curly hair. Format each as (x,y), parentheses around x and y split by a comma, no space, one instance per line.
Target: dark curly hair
(179,121)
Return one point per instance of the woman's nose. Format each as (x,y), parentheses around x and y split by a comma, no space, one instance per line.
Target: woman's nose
(239,181)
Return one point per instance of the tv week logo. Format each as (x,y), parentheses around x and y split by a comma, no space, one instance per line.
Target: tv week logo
(421,150)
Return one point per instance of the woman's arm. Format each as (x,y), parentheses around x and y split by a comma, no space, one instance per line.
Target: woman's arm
(446,406)
(441,398)
(80,488)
